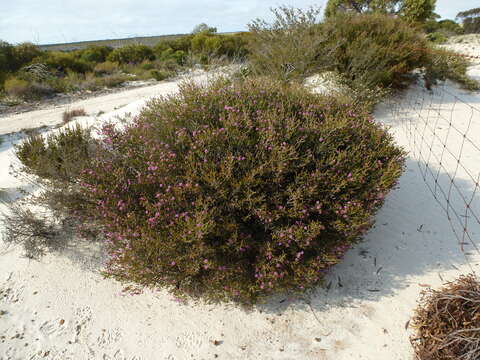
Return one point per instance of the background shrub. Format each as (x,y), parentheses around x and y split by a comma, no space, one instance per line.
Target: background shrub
(64,62)
(96,53)
(288,48)
(159,75)
(68,115)
(106,68)
(237,190)
(437,37)
(445,64)
(27,90)
(24,53)
(113,80)
(373,50)
(134,53)
(6,57)
(17,87)
(59,157)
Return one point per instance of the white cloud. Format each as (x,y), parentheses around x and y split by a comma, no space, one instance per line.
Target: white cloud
(448,9)
(50,21)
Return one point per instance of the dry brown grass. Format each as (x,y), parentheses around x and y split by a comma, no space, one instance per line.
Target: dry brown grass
(68,115)
(448,322)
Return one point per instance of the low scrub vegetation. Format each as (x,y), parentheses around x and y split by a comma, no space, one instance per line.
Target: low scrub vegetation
(447,322)
(446,64)
(289,48)
(97,67)
(231,191)
(370,52)
(239,188)
(68,115)
(131,54)
(60,156)
(373,51)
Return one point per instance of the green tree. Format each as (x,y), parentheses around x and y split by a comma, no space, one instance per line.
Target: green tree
(470,20)
(417,10)
(6,57)
(412,10)
(204,29)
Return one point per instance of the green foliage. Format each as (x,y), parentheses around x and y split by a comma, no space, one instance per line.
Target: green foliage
(470,20)
(24,54)
(445,28)
(238,190)
(444,64)
(113,80)
(93,82)
(417,10)
(368,51)
(6,57)
(178,56)
(289,47)
(373,50)
(360,6)
(198,42)
(106,68)
(134,53)
(60,157)
(64,62)
(26,90)
(159,75)
(233,46)
(180,44)
(6,60)
(17,87)
(204,29)
(437,38)
(410,10)
(96,54)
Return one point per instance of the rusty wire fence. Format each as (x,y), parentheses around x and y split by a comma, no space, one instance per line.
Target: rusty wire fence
(442,131)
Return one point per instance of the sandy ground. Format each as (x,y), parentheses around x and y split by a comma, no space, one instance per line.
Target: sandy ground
(61,307)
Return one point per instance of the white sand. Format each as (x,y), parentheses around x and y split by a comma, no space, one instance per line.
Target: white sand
(61,308)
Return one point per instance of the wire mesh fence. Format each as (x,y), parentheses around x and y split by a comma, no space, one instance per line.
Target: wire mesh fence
(442,128)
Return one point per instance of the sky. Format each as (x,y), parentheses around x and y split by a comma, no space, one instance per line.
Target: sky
(60,21)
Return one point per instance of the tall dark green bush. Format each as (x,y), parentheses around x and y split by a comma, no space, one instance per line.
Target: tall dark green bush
(409,10)
(96,53)
(24,53)
(238,190)
(134,53)
(62,61)
(373,50)
(6,60)
(6,57)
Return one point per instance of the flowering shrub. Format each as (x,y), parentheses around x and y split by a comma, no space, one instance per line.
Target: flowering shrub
(237,190)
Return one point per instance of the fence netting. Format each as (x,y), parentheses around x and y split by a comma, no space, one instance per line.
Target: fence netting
(442,129)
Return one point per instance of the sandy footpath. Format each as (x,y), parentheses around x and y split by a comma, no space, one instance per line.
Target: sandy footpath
(61,308)
(104,103)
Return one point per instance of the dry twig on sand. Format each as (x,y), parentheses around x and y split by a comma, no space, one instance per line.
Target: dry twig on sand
(448,322)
